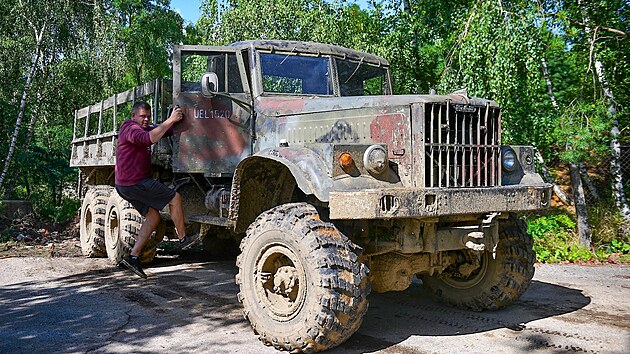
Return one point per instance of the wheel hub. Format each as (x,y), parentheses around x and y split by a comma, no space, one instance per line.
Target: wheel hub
(468,274)
(281,282)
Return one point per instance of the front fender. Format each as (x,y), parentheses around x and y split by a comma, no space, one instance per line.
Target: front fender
(311,173)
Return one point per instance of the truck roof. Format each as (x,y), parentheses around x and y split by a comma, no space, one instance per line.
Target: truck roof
(311,48)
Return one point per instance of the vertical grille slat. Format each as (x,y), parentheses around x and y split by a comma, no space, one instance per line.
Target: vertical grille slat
(462,145)
(439,136)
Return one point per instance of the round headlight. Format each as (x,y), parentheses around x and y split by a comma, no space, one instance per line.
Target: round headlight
(509,160)
(375,159)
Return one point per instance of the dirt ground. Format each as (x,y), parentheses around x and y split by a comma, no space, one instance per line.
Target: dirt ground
(189,305)
(31,237)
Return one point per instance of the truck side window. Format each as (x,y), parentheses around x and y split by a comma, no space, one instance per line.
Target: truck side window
(224,65)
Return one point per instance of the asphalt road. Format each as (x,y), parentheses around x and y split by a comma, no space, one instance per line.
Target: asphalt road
(188,305)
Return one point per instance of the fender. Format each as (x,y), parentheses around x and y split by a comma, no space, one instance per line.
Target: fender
(311,173)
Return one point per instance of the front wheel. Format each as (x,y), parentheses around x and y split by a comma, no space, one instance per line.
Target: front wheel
(495,282)
(302,286)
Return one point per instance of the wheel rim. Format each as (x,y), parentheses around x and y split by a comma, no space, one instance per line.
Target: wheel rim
(280,281)
(113,228)
(87,225)
(456,280)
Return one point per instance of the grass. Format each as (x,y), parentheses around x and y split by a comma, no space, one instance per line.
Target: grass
(556,238)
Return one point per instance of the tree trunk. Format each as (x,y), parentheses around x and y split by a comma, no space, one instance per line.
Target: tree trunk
(11,181)
(615,147)
(587,180)
(580,207)
(554,102)
(547,177)
(18,121)
(552,96)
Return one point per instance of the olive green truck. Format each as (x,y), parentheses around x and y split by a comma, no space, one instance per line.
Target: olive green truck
(332,186)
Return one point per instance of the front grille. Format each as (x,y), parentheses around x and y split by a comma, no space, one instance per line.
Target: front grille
(462,145)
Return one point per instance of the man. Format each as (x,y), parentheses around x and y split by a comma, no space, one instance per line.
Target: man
(134,180)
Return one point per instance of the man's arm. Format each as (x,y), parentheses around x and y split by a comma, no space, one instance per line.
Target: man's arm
(158,132)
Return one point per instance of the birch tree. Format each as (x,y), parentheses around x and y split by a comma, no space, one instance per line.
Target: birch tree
(38,31)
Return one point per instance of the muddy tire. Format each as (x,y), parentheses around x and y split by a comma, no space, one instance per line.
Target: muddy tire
(122,224)
(497,282)
(92,223)
(302,286)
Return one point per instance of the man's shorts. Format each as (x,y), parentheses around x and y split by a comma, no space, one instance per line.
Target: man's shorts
(147,193)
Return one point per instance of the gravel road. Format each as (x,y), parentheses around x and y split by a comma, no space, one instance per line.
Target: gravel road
(189,305)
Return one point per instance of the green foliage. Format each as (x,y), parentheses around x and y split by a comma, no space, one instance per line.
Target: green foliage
(617,246)
(555,239)
(607,225)
(582,132)
(58,213)
(147,30)
(494,48)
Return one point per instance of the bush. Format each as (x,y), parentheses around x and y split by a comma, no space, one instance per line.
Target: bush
(607,224)
(58,213)
(555,238)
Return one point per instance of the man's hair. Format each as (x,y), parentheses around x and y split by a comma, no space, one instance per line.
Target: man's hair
(140,105)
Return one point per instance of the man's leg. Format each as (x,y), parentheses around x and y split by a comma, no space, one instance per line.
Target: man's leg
(148,226)
(177,214)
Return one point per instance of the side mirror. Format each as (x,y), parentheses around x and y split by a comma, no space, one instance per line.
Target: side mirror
(209,84)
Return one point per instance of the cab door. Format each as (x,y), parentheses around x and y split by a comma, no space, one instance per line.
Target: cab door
(214,135)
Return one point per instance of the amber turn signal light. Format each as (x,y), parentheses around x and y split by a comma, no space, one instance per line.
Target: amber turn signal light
(346,161)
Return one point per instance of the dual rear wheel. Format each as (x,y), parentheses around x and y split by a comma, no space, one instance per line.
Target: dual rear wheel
(109,226)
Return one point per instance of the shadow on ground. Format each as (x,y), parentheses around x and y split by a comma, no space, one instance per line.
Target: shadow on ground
(89,311)
(394,317)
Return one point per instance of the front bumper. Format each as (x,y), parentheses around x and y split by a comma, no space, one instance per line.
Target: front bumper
(434,202)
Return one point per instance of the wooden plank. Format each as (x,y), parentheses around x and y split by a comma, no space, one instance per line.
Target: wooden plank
(94,137)
(120,98)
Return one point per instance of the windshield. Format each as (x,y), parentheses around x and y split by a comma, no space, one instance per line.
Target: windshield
(296,74)
(357,78)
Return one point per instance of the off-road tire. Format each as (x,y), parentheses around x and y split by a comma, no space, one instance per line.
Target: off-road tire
(122,224)
(92,222)
(498,282)
(332,287)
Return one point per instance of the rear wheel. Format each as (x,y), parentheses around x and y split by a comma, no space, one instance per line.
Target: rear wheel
(302,286)
(489,283)
(122,224)
(92,223)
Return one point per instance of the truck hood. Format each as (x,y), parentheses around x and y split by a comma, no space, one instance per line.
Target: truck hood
(286,106)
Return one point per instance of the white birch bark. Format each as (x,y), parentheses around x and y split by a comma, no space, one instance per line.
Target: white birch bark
(615,147)
(554,102)
(18,122)
(592,189)
(580,207)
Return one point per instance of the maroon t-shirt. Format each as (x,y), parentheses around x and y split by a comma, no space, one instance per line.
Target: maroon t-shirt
(133,154)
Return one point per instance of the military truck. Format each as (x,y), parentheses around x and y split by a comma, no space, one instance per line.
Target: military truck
(332,185)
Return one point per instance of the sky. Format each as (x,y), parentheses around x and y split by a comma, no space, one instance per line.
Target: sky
(189,9)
